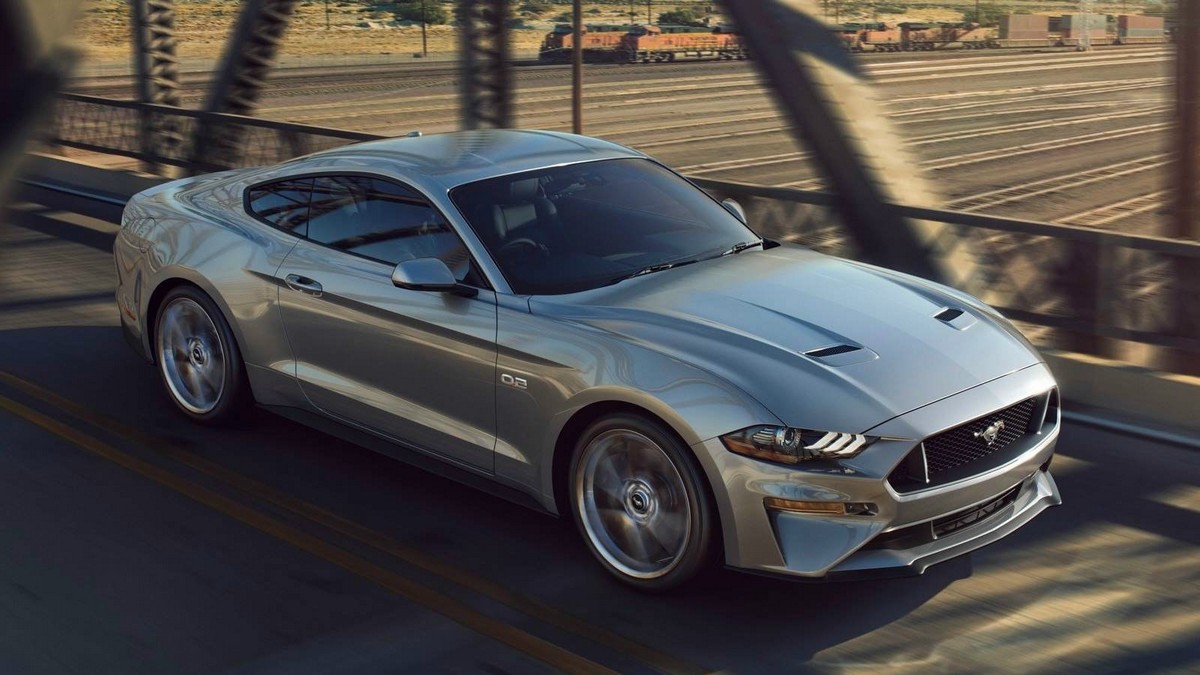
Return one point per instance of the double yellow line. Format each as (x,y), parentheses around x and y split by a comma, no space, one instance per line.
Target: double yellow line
(520,640)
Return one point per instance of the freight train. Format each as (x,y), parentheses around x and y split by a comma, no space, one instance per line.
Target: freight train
(645,44)
(913,36)
(603,38)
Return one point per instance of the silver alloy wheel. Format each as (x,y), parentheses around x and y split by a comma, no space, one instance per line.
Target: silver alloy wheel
(633,504)
(191,356)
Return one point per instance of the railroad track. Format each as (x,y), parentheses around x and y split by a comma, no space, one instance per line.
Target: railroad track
(762,110)
(1034,93)
(686,111)
(750,82)
(1106,215)
(1076,179)
(338,80)
(962,159)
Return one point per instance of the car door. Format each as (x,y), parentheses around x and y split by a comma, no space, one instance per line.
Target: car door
(416,366)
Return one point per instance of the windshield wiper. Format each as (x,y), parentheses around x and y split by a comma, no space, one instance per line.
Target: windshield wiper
(651,269)
(742,246)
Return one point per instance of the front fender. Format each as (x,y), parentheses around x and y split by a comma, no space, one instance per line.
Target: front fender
(563,369)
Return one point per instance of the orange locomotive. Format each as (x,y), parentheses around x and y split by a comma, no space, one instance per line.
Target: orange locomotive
(634,44)
(668,43)
(600,42)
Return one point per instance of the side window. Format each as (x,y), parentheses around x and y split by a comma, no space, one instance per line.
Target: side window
(283,204)
(383,221)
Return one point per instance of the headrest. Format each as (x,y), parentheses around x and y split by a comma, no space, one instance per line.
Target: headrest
(523,190)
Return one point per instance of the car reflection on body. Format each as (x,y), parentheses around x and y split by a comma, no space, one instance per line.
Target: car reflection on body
(571,323)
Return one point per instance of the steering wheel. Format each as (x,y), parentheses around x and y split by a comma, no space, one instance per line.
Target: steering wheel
(525,245)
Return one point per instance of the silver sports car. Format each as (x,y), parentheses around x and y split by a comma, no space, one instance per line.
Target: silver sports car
(568,321)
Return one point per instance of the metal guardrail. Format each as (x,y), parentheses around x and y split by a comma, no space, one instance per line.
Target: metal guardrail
(116,127)
(1071,287)
(1086,289)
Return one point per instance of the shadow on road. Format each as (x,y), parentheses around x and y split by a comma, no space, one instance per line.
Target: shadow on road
(1112,565)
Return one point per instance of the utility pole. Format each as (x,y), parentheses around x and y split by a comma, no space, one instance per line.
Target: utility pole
(577,68)
(326,14)
(977,19)
(424,26)
(649,19)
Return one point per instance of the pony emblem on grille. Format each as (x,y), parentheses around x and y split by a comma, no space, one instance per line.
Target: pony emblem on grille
(991,433)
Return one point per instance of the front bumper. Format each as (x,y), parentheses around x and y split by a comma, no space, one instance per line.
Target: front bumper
(1034,495)
(907,532)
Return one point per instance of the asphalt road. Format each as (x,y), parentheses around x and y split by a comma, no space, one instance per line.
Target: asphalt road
(133,541)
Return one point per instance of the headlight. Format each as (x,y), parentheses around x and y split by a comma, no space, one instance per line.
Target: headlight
(792,446)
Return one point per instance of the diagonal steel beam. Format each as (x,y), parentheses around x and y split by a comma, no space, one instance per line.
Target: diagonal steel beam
(1185,223)
(832,112)
(486,81)
(157,71)
(248,59)
(36,59)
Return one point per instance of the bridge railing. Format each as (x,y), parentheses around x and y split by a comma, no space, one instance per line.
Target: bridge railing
(1075,288)
(1085,290)
(118,127)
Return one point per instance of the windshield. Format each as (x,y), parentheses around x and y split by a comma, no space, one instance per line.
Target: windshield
(571,228)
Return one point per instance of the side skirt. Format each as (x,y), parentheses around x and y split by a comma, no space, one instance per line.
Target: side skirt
(407,454)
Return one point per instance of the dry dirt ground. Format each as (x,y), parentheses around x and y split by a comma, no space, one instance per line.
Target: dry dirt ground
(356,27)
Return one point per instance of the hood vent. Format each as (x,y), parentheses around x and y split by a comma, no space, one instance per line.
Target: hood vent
(841,355)
(955,318)
(831,351)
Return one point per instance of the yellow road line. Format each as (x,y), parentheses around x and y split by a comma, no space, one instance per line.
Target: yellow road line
(526,643)
(529,606)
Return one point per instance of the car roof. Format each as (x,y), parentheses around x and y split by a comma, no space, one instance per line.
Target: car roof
(456,158)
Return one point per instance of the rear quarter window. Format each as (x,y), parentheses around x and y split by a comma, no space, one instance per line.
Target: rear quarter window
(283,204)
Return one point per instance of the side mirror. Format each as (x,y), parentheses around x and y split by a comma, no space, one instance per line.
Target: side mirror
(427,274)
(735,208)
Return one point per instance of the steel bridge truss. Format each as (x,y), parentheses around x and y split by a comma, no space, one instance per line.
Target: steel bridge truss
(157,70)
(248,59)
(36,59)
(486,80)
(819,86)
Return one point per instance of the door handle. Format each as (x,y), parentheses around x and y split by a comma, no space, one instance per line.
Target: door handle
(303,284)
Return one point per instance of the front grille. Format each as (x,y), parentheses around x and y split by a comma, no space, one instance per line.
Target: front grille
(965,450)
(968,442)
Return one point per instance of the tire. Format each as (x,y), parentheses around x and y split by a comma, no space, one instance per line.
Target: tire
(660,527)
(198,359)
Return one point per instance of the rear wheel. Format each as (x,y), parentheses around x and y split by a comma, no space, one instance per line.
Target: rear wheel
(198,358)
(641,503)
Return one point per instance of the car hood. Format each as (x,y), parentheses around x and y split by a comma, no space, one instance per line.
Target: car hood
(819,341)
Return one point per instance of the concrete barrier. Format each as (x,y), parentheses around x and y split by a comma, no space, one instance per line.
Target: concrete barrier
(40,167)
(1130,396)
(79,187)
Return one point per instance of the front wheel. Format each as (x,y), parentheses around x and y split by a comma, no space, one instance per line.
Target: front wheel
(641,503)
(198,358)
